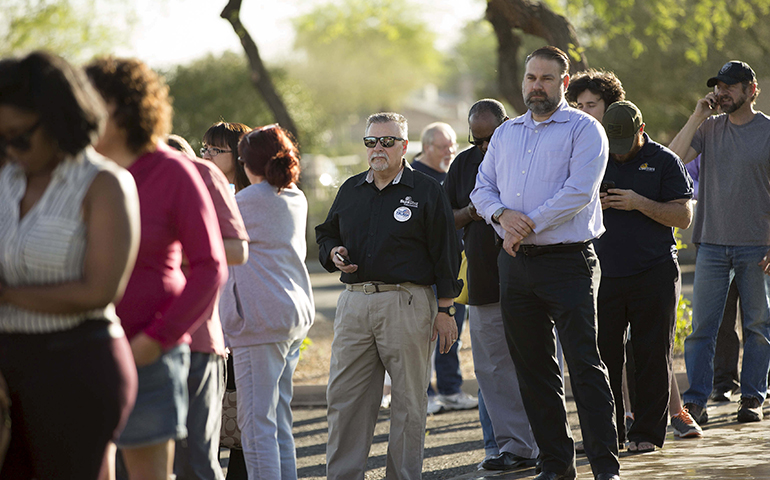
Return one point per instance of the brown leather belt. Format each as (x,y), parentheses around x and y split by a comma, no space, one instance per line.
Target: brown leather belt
(373,287)
(537,250)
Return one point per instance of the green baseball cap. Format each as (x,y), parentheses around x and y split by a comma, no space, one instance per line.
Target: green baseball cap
(622,121)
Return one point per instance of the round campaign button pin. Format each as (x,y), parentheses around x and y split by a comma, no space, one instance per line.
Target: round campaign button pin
(402,214)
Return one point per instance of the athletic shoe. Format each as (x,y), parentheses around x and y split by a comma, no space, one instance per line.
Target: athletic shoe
(751,410)
(385,402)
(698,413)
(435,404)
(459,401)
(685,426)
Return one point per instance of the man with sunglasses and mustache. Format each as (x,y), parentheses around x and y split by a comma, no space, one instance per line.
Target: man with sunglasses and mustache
(733,233)
(539,188)
(512,443)
(391,233)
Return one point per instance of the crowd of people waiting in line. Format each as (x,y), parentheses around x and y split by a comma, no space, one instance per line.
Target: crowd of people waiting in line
(129,267)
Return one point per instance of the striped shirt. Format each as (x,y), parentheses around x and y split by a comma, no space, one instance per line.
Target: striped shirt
(48,245)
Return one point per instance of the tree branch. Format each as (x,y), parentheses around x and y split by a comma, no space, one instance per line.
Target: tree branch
(533,18)
(260,77)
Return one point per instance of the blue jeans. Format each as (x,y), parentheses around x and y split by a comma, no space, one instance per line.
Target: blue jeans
(263,377)
(449,378)
(197,457)
(715,267)
(490,444)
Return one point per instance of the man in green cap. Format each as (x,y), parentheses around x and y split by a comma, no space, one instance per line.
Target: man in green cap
(646,192)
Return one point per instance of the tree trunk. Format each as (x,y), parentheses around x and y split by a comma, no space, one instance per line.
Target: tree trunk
(534,18)
(260,77)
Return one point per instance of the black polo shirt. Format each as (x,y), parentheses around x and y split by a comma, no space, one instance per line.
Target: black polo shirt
(402,233)
(480,240)
(633,241)
(435,174)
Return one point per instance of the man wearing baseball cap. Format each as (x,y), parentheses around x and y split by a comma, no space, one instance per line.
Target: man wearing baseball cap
(732,228)
(646,192)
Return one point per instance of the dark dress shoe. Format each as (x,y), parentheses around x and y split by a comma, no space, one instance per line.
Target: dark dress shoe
(508,461)
(608,476)
(555,476)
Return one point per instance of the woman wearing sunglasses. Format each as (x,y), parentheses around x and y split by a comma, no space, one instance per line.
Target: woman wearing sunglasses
(267,306)
(69,234)
(220,145)
(160,304)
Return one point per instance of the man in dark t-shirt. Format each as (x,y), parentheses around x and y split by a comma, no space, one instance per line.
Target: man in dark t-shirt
(646,191)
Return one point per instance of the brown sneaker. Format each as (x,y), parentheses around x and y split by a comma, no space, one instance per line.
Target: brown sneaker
(751,410)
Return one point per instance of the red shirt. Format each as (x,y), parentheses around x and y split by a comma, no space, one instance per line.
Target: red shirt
(176,211)
(208,337)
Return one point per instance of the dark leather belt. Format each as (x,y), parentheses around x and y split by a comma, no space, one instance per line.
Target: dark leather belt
(537,250)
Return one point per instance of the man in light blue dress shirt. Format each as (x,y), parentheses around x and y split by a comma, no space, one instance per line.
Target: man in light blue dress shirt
(539,187)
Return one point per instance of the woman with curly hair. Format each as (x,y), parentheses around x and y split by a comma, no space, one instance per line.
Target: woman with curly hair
(159,306)
(220,146)
(69,235)
(267,306)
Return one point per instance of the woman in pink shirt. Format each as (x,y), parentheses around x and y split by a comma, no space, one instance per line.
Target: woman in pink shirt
(159,305)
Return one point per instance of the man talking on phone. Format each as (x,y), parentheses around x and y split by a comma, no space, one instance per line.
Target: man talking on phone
(391,233)
(648,194)
(732,228)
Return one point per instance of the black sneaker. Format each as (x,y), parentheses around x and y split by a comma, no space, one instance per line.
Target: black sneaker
(751,410)
(698,413)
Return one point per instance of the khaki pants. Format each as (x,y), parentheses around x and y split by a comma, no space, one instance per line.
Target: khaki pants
(374,333)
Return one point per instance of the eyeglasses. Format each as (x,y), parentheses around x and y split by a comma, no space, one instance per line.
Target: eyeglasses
(478,141)
(213,151)
(386,142)
(21,142)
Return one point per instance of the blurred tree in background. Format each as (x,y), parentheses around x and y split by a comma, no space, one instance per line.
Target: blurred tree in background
(74,31)
(218,88)
(361,56)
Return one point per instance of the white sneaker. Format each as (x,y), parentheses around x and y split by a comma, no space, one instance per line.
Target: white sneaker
(435,404)
(385,402)
(459,401)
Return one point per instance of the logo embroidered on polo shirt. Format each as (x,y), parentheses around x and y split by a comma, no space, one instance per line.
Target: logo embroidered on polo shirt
(409,202)
(646,168)
(402,214)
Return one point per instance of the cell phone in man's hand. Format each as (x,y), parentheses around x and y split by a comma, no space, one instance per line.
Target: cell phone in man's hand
(344,260)
(606,186)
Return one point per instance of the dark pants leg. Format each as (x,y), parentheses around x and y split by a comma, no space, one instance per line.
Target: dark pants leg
(561,289)
(728,345)
(71,393)
(449,378)
(647,301)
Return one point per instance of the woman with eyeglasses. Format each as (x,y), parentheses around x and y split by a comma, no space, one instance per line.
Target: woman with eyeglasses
(161,304)
(267,305)
(220,145)
(69,235)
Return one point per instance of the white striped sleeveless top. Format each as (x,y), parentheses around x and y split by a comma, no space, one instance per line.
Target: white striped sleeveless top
(48,245)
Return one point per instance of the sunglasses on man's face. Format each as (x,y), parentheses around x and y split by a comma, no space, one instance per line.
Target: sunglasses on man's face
(21,142)
(478,141)
(386,142)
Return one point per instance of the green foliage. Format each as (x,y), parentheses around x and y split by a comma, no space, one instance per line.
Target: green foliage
(663,74)
(364,55)
(683,323)
(694,27)
(216,88)
(63,27)
(473,61)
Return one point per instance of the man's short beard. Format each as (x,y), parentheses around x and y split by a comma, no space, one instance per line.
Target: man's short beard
(541,107)
(732,107)
(378,166)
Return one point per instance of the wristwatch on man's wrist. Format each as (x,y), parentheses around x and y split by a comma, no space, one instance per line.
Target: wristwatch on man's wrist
(450,310)
(498,213)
